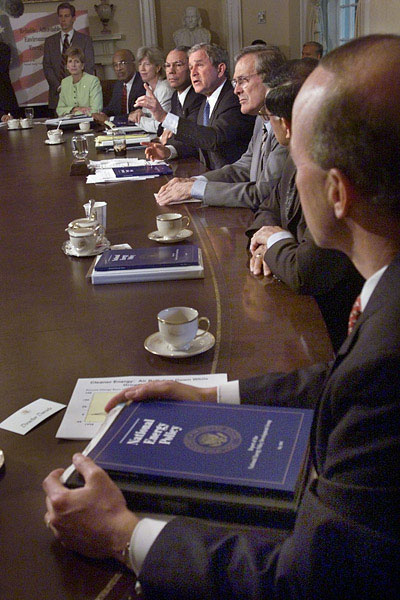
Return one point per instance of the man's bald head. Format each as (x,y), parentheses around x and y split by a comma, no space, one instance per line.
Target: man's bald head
(354,98)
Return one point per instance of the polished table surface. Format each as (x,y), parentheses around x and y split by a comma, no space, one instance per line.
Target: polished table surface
(57,327)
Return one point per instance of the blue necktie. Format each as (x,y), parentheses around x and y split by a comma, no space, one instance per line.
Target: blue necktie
(206,114)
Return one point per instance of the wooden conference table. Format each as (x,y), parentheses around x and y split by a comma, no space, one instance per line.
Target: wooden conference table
(57,327)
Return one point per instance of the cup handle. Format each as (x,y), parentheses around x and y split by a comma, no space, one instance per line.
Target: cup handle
(207,321)
(186,223)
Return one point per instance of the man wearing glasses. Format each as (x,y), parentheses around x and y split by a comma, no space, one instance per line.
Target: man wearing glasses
(126,90)
(249,180)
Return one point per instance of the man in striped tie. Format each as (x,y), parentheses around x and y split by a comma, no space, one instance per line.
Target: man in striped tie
(55,47)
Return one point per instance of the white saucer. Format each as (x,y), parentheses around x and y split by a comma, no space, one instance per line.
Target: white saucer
(69,249)
(182,235)
(82,132)
(157,345)
(54,143)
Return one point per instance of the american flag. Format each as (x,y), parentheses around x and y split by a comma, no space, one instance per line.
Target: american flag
(26,37)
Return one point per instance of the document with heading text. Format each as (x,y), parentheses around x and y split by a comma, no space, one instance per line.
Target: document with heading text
(85,411)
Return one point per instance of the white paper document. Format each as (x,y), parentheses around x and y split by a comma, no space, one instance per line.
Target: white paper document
(85,412)
(27,417)
(105,174)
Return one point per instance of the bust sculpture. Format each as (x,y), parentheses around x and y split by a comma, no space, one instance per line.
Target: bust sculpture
(192,33)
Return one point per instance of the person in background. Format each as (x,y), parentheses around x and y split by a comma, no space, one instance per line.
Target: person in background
(249,180)
(312,50)
(222,132)
(80,92)
(126,90)
(151,69)
(346,539)
(8,101)
(55,47)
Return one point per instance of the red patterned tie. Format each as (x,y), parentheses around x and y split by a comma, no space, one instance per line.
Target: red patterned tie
(124,108)
(354,315)
(65,47)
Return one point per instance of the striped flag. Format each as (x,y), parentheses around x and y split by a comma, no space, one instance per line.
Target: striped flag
(26,37)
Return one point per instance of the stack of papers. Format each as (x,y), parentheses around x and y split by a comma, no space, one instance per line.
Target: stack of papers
(105,169)
(132,139)
(69,120)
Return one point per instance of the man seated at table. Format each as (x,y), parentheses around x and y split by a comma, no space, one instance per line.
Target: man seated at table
(126,90)
(346,540)
(222,132)
(250,179)
(185,102)
(312,50)
(281,243)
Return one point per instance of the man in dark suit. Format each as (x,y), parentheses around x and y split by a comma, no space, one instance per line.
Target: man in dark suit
(346,540)
(55,46)
(281,243)
(184,101)
(249,180)
(8,100)
(222,132)
(126,90)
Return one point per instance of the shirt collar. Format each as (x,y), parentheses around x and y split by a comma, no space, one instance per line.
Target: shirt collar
(370,285)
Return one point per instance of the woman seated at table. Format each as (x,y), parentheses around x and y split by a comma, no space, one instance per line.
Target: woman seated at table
(80,92)
(151,69)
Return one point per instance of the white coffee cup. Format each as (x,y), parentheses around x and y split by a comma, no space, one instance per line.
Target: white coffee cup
(26,123)
(178,326)
(55,136)
(100,212)
(170,224)
(84,126)
(84,235)
(13,124)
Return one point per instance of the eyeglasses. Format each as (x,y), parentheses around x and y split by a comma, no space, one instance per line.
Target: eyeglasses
(122,63)
(243,80)
(175,65)
(263,112)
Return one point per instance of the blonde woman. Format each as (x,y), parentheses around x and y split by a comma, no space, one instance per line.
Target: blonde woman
(150,62)
(80,92)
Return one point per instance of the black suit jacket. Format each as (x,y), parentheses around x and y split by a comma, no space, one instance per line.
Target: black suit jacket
(328,275)
(189,111)
(225,138)
(114,106)
(346,540)
(8,100)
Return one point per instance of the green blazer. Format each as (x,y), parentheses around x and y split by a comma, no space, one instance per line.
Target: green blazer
(87,92)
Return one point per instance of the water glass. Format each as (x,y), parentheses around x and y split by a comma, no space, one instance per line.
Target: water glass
(80,148)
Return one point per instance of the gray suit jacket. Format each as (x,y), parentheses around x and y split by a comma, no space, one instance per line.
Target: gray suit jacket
(52,61)
(251,185)
(346,541)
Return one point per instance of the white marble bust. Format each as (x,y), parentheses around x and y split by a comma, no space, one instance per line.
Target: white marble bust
(192,33)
